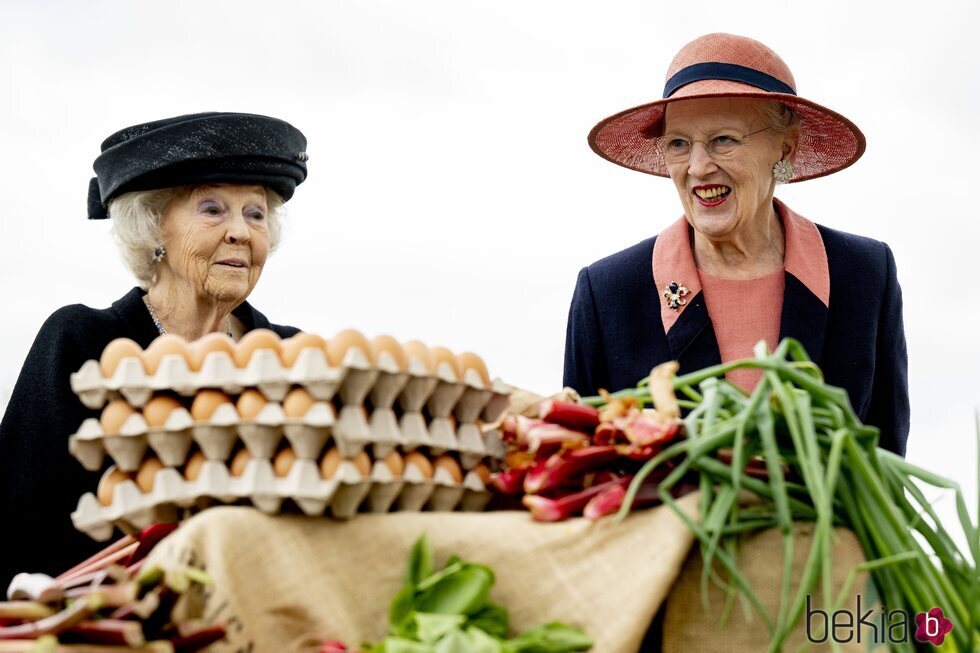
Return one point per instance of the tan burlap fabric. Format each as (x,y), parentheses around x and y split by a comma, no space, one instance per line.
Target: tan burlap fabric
(281,581)
(689,629)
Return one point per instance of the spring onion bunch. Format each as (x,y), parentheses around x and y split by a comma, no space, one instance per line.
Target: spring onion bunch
(822,465)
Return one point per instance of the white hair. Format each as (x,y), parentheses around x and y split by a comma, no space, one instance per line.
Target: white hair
(136,226)
(780,118)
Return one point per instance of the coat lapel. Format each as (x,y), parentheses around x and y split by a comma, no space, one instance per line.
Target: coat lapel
(688,328)
(692,339)
(807,294)
(804,317)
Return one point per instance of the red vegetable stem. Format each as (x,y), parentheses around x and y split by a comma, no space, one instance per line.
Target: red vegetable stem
(559,467)
(610,500)
(510,481)
(74,613)
(103,562)
(104,553)
(570,415)
(108,631)
(545,509)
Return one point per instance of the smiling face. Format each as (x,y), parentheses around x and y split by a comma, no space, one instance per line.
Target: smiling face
(725,180)
(217,240)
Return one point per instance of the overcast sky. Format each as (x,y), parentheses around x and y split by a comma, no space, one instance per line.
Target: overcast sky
(452,196)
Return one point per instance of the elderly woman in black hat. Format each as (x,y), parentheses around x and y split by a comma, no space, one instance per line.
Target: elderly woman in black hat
(195,203)
(740,266)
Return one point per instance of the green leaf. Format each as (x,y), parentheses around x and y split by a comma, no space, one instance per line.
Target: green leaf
(463,592)
(421,562)
(482,642)
(430,628)
(401,607)
(400,645)
(552,637)
(455,641)
(492,620)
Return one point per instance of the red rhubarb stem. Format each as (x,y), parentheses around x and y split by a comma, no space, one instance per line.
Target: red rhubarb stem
(572,416)
(548,510)
(565,464)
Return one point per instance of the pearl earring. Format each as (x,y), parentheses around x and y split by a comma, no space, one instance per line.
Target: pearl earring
(159,253)
(782,171)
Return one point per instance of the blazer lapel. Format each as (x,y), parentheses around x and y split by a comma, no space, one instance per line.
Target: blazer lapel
(692,339)
(807,293)
(804,317)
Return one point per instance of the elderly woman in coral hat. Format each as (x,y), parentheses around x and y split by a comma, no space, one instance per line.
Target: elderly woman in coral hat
(740,266)
(195,203)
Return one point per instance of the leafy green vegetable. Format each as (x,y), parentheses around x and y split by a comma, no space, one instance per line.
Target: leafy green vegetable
(448,611)
(493,620)
(553,637)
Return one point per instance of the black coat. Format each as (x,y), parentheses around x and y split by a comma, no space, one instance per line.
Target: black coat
(40,483)
(616,334)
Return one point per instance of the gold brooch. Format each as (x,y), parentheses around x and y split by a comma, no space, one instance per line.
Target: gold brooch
(674,293)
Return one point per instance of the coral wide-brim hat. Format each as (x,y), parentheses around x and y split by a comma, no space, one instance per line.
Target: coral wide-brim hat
(724,65)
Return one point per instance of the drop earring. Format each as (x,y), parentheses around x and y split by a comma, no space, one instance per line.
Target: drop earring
(782,171)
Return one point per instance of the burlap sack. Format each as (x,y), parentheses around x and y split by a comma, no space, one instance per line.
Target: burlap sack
(689,629)
(282,582)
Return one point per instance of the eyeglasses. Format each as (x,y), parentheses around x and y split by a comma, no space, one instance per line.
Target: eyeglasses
(678,150)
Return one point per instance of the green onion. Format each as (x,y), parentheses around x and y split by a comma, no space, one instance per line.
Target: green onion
(823,466)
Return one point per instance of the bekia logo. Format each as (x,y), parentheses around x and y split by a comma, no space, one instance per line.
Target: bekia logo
(932,626)
(881,627)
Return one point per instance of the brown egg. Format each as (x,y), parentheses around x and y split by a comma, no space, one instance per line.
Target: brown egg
(449,464)
(164,345)
(297,403)
(283,462)
(250,403)
(206,402)
(108,483)
(114,415)
(147,474)
(395,463)
(470,361)
(418,459)
(199,349)
(442,355)
(483,472)
(363,463)
(192,468)
(390,345)
(117,350)
(291,347)
(339,345)
(157,410)
(255,340)
(417,349)
(240,462)
(330,462)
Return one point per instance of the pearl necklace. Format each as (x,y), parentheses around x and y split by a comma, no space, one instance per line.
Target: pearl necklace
(159,325)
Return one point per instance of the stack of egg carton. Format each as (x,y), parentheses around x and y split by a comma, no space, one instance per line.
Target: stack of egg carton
(331,427)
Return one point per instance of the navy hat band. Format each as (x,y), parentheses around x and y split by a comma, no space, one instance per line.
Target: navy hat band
(729,72)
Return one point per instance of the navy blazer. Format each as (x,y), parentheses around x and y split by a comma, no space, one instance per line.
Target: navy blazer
(40,483)
(616,335)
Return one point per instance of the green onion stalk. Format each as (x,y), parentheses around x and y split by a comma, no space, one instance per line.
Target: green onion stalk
(824,467)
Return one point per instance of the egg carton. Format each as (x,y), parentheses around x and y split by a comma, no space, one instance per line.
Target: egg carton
(356,379)
(344,494)
(352,431)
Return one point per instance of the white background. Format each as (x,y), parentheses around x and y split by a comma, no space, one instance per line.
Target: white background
(452,196)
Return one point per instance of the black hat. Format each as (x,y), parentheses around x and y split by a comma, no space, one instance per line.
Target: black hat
(201,148)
